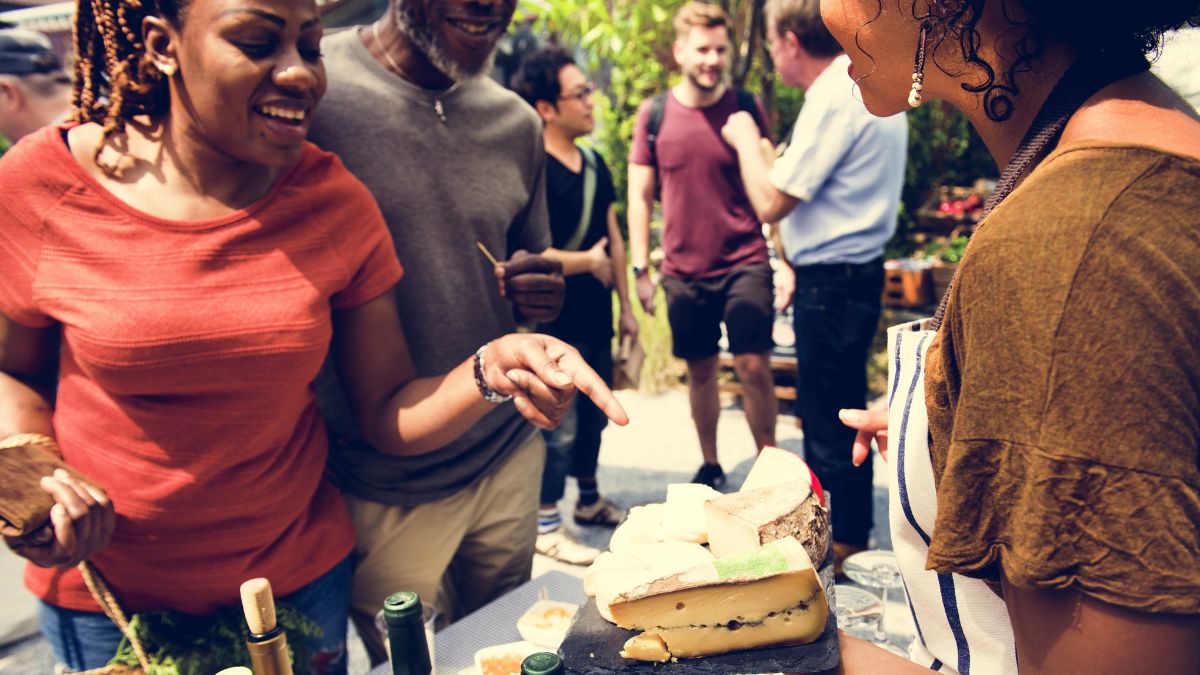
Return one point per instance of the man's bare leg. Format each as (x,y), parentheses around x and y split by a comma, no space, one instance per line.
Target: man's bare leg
(706,404)
(758,396)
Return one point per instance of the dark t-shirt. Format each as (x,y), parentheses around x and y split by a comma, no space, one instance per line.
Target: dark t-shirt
(587,309)
(709,225)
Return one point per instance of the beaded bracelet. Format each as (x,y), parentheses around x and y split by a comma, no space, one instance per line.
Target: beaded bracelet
(23,439)
(490,395)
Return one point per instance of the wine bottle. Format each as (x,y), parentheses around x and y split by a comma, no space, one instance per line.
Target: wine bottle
(543,663)
(406,634)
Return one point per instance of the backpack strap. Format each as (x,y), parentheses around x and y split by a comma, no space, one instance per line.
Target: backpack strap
(589,198)
(747,103)
(658,107)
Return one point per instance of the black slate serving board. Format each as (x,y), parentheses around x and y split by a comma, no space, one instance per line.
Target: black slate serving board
(593,647)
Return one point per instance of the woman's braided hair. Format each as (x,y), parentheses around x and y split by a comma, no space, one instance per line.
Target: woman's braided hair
(111,60)
(1109,25)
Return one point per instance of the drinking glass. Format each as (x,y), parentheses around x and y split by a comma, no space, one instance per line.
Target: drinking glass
(857,610)
(876,569)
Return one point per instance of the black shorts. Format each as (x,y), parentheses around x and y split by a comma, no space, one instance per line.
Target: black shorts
(744,299)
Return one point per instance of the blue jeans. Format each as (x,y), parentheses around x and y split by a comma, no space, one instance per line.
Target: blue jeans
(85,640)
(574,447)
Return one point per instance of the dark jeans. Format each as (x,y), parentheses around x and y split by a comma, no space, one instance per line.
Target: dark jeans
(574,446)
(837,310)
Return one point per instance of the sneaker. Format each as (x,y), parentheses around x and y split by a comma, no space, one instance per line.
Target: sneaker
(561,546)
(599,512)
(711,475)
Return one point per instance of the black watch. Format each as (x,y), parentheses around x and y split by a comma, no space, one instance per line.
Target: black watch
(639,272)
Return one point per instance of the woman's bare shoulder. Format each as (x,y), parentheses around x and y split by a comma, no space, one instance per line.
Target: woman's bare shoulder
(1138,111)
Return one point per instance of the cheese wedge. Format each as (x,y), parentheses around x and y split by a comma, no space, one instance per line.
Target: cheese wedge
(767,597)
(643,525)
(614,573)
(745,588)
(791,627)
(683,519)
(774,466)
(646,647)
(745,520)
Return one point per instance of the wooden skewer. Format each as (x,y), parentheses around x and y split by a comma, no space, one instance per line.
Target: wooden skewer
(483,249)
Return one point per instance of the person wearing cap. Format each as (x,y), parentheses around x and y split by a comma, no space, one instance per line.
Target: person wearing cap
(34,88)
(34,91)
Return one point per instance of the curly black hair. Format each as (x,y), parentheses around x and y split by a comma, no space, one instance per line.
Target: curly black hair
(537,78)
(1091,26)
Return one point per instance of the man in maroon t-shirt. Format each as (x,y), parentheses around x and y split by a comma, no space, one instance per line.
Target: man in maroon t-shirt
(716,266)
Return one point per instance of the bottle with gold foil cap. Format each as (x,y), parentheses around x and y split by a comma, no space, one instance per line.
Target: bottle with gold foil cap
(542,663)
(402,612)
(265,639)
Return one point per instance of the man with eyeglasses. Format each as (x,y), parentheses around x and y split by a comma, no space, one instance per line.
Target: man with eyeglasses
(586,239)
(34,89)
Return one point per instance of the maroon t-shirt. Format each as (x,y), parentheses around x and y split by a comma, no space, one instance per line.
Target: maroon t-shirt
(709,226)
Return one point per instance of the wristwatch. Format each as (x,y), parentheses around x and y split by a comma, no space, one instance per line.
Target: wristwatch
(639,271)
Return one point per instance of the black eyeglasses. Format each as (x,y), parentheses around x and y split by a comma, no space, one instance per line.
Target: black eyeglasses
(582,94)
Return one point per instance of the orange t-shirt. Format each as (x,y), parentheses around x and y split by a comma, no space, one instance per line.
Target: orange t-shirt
(188,353)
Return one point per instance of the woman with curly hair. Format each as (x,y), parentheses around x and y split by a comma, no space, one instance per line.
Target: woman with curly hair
(1044,427)
(198,259)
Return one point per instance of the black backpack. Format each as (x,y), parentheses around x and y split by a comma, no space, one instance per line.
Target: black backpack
(658,106)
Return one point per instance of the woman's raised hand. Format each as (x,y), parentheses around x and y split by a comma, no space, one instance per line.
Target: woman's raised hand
(541,373)
(871,424)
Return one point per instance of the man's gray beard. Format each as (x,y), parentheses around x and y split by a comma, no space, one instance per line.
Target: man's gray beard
(424,40)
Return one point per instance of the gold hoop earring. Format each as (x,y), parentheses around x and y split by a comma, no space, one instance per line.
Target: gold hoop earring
(167,69)
(918,77)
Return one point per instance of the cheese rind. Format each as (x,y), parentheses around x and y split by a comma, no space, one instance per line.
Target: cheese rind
(774,466)
(800,625)
(745,588)
(745,520)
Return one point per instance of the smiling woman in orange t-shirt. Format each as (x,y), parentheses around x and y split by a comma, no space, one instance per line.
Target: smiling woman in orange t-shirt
(198,259)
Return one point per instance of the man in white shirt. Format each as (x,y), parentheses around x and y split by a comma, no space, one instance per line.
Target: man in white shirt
(835,190)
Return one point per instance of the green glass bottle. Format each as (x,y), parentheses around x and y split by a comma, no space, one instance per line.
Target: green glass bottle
(406,634)
(543,663)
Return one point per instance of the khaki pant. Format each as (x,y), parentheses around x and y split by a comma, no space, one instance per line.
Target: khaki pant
(461,552)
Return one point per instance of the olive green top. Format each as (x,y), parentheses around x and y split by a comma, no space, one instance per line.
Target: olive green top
(1064,387)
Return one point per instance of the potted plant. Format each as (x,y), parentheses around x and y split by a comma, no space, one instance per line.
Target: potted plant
(944,254)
